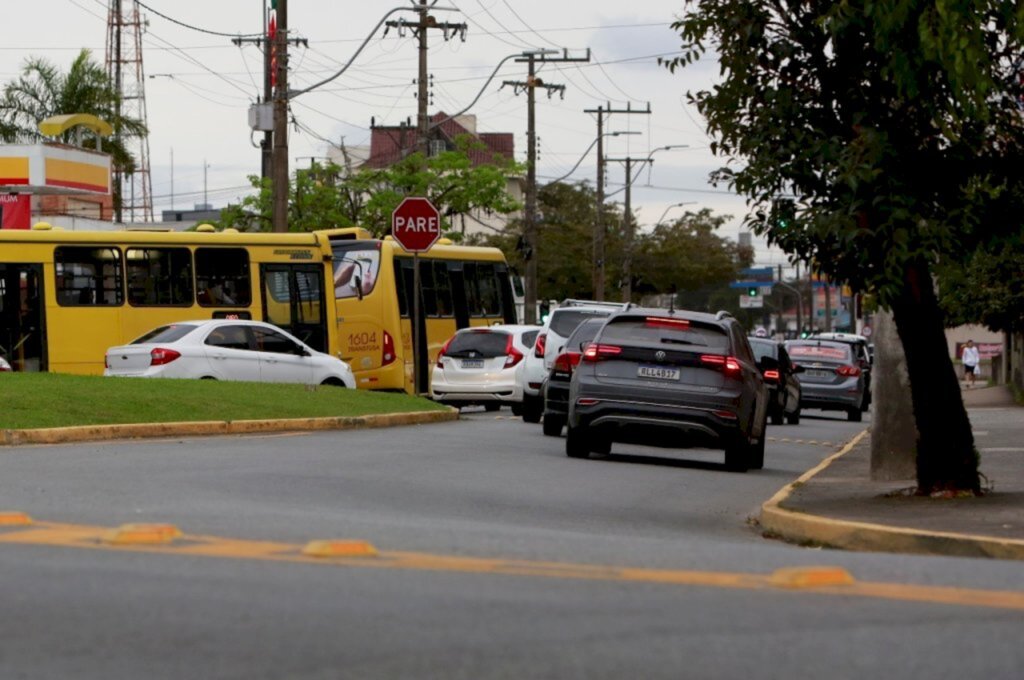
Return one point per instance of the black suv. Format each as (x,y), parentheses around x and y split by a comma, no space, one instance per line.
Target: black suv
(671,379)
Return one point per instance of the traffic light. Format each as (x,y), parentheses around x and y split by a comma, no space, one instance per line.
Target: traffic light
(753,291)
(783,213)
(545,311)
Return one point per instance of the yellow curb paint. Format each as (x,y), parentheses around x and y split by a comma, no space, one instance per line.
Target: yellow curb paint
(61,435)
(865,536)
(131,534)
(339,548)
(14,518)
(810,577)
(90,538)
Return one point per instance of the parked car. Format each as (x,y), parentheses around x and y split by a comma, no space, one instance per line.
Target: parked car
(833,379)
(560,324)
(671,379)
(482,365)
(780,376)
(556,385)
(222,349)
(863,352)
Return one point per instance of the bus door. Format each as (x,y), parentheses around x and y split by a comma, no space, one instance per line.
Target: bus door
(22,326)
(456,270)
(293,299)
(421,356)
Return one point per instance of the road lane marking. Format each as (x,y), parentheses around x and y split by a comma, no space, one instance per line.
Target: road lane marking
(91,537)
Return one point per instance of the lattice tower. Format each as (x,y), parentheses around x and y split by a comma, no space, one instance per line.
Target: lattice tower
(124,66)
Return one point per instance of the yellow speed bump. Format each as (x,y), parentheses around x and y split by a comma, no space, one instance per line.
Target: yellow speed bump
(810,577)
(14,518)
(339,548)
(134,534)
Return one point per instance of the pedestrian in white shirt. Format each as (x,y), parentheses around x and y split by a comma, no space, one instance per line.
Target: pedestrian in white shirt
(971,358)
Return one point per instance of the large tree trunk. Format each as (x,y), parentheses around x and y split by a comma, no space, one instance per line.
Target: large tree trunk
(946,458)
(893,431)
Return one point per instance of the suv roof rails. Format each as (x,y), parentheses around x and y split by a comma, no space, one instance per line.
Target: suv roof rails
(573,302)
(722,314)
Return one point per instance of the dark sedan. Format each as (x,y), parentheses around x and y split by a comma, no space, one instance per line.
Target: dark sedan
(832,379)
(556,385)
(780,376)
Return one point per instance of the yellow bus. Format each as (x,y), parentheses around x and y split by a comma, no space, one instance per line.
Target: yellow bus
(66,296)
(460,286)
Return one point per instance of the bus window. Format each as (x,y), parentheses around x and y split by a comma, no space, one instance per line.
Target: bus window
(487,287)
(428,289)
(159,276)
(88,276)
(348,264)
(222,277)
(443,289)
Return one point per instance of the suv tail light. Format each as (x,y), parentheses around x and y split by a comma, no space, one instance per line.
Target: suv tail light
(539,345)
(596,352)
(848,371)
(444,351)
(730,366)
(771,375)
(566,361)
(387,354)
(512,355)
(161,356)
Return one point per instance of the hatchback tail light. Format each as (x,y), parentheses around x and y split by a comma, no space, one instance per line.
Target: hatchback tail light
(730,366)
(848,371)
(387,354)
(161,356)
(566,361)
(771,375)
(539,345)
(512,355)
(596,352)
(444,350)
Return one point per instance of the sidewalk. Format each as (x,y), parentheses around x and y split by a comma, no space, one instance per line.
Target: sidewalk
(838,505)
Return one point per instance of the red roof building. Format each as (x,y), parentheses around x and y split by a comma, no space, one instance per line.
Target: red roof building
(389,144)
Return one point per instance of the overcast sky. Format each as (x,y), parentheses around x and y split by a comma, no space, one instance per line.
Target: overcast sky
(199,86)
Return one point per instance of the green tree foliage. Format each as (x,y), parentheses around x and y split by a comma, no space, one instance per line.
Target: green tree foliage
(43,90)
(324,196)
(988,289)
(895,125)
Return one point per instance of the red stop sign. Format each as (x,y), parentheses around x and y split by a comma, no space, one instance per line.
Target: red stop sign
(416,224)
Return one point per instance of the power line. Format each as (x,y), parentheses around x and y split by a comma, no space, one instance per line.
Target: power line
(194,28)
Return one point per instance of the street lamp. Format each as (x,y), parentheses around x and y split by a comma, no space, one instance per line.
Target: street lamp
(606,134)
(674,205)
(631,179)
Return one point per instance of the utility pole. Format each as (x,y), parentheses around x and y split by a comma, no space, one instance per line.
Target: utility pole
(600,231)
(530,217)
(627,259)
(263,41)
(419,27)
(278,35)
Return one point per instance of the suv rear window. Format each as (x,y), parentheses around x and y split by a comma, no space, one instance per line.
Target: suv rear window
(668,331)
(166,333)
(485,344)
(564,322)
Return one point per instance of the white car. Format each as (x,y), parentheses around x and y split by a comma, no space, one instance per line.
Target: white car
(4,366)
(222,349)
(482,365)
(560,324)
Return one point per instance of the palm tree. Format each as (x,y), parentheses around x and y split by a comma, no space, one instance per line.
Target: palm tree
(42,90)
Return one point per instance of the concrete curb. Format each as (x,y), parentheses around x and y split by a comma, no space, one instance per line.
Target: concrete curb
(82,433)
(801,527)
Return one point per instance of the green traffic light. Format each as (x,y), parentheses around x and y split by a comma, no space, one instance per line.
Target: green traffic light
(752,292)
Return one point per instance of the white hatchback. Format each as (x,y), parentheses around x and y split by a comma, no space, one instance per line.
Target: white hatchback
(222,349)
(482,365)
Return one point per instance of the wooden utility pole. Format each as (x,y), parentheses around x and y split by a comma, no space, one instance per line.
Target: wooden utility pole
(530,209)
(279,67)
(420,27)
(600,230)
(627,257)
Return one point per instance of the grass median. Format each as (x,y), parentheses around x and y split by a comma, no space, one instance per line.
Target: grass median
(35,400)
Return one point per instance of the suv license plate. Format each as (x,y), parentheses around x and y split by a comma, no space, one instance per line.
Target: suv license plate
(659,372)
(472,363)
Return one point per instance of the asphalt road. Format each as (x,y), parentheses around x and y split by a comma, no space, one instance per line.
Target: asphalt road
(499,557)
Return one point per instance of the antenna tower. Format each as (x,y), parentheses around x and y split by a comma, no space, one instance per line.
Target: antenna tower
(124,67)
